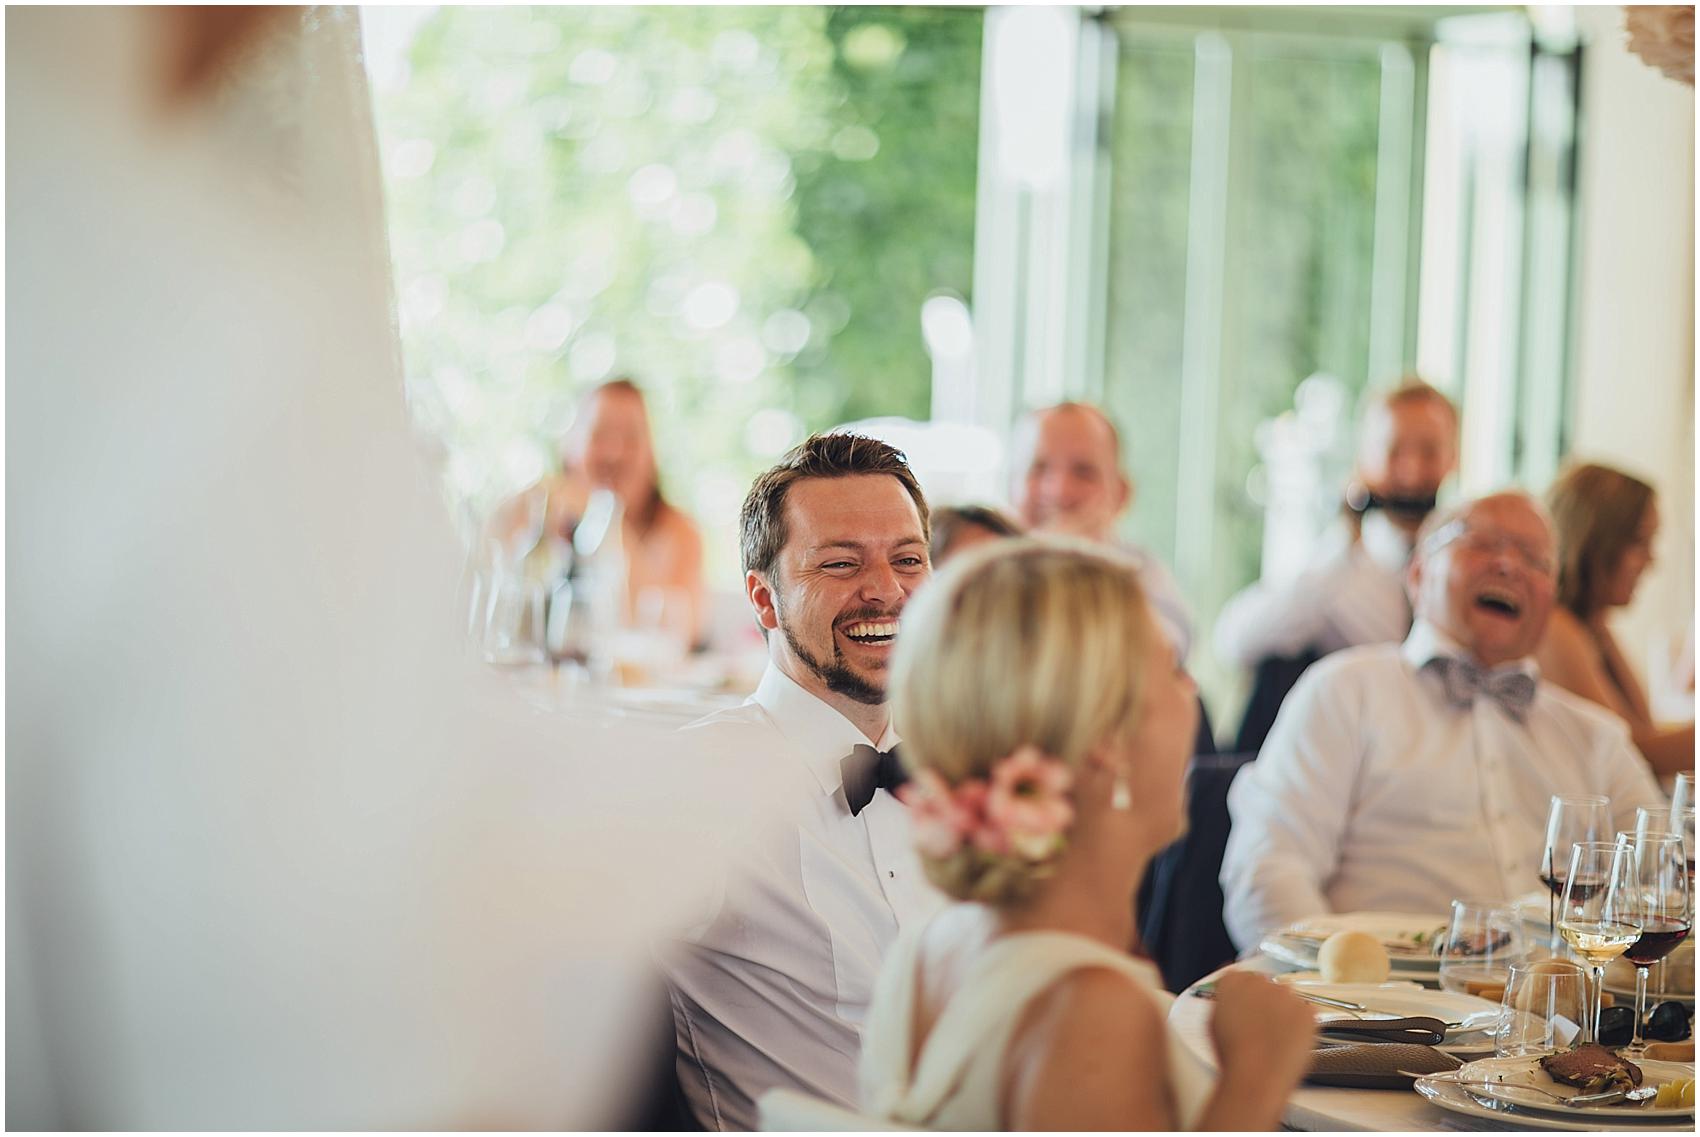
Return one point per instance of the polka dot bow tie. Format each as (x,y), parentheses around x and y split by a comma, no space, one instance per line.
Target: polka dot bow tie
(1513,690)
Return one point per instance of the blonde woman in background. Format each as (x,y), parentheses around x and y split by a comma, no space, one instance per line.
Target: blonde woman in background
(1606,522)
(1048,728)
(611,447)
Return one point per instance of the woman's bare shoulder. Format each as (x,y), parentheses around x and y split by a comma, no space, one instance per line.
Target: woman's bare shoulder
(1566,646)
(678,527)
(1067,1066)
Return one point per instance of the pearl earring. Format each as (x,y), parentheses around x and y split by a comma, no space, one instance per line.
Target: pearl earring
(1121,798)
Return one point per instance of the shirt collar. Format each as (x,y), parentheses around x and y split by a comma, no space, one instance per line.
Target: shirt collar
(1427,642)
(1387,545)
(820,735)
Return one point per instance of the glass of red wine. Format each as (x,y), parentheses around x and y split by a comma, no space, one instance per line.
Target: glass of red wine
(1574,819)
(1653,894)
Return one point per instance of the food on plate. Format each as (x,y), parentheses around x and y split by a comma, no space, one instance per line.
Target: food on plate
(1491,990)
(1353,957)
(1592,1069)
(1675,1095)
(1671,1051)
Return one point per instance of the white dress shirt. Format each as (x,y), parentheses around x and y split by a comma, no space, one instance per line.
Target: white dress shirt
(771,988)
(1163,593)
(1374,791)
(1352,593)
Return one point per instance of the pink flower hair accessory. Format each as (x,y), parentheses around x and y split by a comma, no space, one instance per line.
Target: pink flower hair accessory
(1021,811)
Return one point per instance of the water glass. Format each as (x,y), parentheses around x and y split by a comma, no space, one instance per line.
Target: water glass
(514,610)
(1546,1001)
(1483,940)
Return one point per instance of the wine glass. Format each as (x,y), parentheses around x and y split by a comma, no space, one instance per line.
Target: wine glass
(514,620)
(1588,918)
(1652,819)
(1682,793)
(1573,819)
(1653,894)
(1483,940)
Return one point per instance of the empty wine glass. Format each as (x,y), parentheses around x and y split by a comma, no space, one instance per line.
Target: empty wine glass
(1653,894)
(1588,917)
(1483,940)
(1682,793)
(1573,819)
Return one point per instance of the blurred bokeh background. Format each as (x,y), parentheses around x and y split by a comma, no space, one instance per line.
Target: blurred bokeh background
(1224,224)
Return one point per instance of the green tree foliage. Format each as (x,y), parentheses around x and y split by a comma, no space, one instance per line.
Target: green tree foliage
(742,208)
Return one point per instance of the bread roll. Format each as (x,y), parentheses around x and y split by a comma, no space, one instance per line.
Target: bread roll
(1353,957)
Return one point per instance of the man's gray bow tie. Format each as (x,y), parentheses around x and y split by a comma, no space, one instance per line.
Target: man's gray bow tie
(1512,690)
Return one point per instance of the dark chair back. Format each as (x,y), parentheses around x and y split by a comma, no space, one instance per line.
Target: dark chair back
(1205,741)
(1180,922)
(1270,683)
(657,1103)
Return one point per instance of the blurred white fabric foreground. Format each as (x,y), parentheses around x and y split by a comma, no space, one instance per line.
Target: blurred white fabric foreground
(278,856)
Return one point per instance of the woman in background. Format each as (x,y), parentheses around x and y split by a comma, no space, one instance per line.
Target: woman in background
(610,447)
(1605,521)
(1048,729)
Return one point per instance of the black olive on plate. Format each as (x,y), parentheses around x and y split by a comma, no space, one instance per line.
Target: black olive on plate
(1617,1026)
(1668,1022)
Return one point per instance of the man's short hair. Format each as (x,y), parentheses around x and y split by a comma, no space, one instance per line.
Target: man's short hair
(1429,537)
(1095,411)
(949,520)
(761,523)
(1412,389)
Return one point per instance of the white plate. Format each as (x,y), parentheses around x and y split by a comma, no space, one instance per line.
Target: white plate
(1455,1098)
(1399,1000)
(1299,943)
(1514,1077)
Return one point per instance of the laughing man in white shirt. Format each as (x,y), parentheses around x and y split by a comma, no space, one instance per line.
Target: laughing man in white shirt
(1399,777)
(772,988)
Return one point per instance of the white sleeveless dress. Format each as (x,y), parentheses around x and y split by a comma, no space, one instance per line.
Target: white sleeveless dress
(956,1083)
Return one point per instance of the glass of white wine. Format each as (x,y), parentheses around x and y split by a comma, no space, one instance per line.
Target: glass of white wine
(1588,917)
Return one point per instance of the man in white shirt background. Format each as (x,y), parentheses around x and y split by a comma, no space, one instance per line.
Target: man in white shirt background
(1067,467)
(1403,776)
(1353,591)
(771,988)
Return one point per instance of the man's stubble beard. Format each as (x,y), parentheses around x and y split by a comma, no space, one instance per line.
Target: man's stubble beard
(837,675)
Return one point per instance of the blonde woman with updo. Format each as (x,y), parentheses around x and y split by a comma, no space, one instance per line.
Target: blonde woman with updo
(1047,728)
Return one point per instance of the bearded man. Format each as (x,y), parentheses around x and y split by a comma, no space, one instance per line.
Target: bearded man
(770,988)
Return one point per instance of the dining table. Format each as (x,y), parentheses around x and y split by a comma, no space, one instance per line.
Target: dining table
(1313,1108)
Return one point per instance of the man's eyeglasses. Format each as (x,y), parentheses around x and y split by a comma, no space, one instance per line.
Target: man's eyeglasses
(1488,544)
